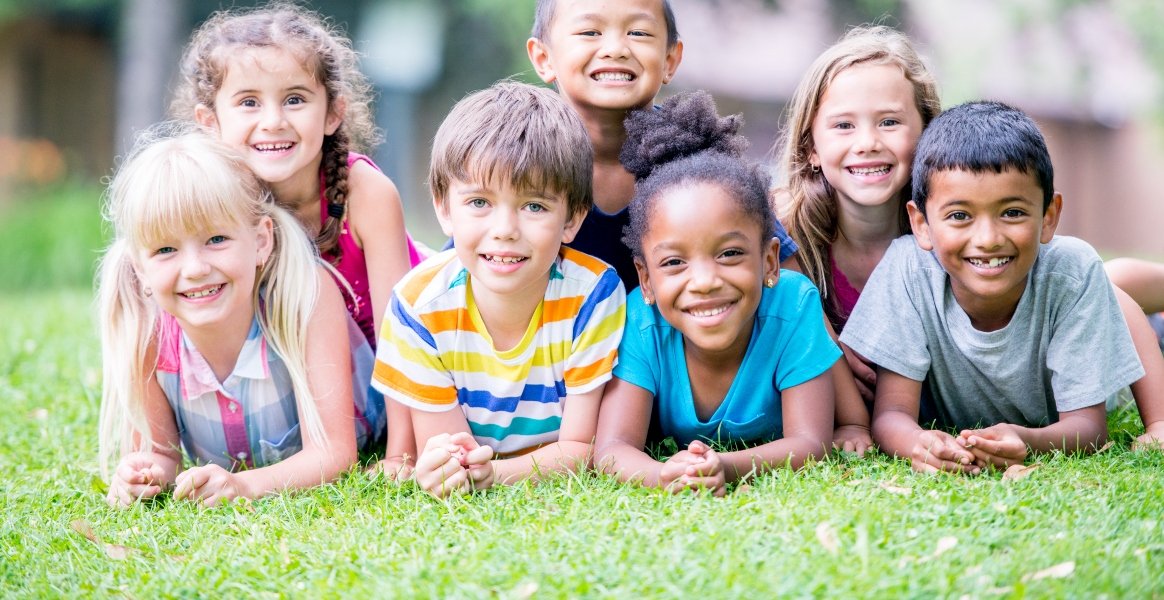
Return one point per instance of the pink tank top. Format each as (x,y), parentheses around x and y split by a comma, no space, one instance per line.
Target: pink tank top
(348,260)
(845,294)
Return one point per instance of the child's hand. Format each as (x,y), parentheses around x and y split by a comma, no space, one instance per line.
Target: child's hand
(863,373)
(440,470)
(935,451)
(395,468)
(697,468)
(137,477)
(1152,438)
(997,445)
(852,438)
(209,485)
(477,460)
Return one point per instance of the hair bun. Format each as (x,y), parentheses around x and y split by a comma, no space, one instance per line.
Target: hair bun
(685,124)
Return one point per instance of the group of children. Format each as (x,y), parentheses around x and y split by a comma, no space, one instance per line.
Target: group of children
(265,316)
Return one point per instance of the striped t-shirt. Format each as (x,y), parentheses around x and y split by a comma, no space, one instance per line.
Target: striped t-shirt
(435,353)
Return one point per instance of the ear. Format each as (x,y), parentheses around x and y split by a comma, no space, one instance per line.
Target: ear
(771,260)
(671,62)
(441,208)
(572,226)
(264,241)
(813,158)
(539,57)
(921,229)
(205,117)
(1051,218)
(335,115)
(644,281)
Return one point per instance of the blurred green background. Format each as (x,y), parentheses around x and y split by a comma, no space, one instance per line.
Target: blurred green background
(79,77)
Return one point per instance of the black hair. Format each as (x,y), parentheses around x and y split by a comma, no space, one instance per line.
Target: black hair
(544,16)
(979,137)
(684,142)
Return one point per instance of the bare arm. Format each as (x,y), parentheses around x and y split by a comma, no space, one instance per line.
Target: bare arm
(896,431)
(622,434)
(807,414)
(145,473)
(376,219)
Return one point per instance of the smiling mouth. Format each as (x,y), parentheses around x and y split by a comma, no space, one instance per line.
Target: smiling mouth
(613,76)
(710,312)
(882,170)
(991,263)
(504,260)
(273,147)
(201,293)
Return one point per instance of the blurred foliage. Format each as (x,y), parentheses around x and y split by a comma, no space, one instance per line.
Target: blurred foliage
(14,8)
(50,238)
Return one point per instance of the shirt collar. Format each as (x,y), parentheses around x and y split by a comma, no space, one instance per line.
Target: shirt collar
(198,378)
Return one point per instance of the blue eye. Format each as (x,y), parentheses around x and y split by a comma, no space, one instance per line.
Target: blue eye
(216,239)
(535,207)
(477,203)
(165,250)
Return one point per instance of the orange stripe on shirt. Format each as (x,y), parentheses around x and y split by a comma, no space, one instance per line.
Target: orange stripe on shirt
(584,260)
(586,373)
(561,309)
(429,394)
(420,279)
(440,321)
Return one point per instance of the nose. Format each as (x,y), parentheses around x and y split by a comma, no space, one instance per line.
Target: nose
(868,139)
(504,225)
(195,265)
(704,276)
(614,46)
(987,234)
(272,117)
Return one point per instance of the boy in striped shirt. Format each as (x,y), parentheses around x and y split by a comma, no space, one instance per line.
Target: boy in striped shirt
(501,346)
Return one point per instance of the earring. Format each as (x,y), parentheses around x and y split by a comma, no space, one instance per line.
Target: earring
(815,169)
(649,301)
(145,289)
(770,282)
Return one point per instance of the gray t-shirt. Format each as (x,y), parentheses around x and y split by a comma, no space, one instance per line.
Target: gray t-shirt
(1066,347)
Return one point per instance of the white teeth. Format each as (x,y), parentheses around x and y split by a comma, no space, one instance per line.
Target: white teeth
(203,293)
(506,260)
(273,146)
(711,312)
(992,263)
(613,76)
(869,170)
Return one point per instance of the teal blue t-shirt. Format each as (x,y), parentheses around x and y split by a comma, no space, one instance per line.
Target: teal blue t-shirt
(789,346)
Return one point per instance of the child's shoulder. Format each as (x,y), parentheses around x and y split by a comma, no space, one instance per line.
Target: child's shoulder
(580,273)
(431,280)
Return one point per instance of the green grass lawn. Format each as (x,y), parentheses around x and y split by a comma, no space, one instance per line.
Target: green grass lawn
(1080,527)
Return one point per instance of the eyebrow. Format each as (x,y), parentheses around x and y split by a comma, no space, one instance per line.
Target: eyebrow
(295,88)
(725,237)
(590,17)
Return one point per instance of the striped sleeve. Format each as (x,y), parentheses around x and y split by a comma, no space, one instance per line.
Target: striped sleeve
(408,367)
(598,328)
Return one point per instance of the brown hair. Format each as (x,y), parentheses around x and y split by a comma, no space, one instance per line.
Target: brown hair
(544,17)
(323,51)
(519,131)
(810,210)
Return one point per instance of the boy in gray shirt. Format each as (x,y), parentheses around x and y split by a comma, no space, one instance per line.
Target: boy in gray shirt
(1015,332)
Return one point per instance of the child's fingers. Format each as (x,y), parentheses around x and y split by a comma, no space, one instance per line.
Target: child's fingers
(432,458)
(479,455)
(697,447)
(437,441)
(465,440)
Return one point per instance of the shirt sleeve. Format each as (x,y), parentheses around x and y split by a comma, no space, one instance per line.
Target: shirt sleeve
(598,329)
(886,325)
(409,368)
(811,351)
(1090,354)
(638,355)
(788,245)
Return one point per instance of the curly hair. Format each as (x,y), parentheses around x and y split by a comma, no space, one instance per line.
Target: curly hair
(685,142)
(323,51)
(810,213)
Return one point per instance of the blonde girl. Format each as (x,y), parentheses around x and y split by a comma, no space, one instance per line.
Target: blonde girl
(847,149)
(283,86)
(222,335)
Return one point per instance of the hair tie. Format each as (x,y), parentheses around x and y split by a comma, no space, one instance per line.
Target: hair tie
(335,209)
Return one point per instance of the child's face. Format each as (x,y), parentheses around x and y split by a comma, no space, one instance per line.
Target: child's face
(704,263)
(606,54)
(206,278)
(506,238)
(985,229)
(276,113)
(865,132)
